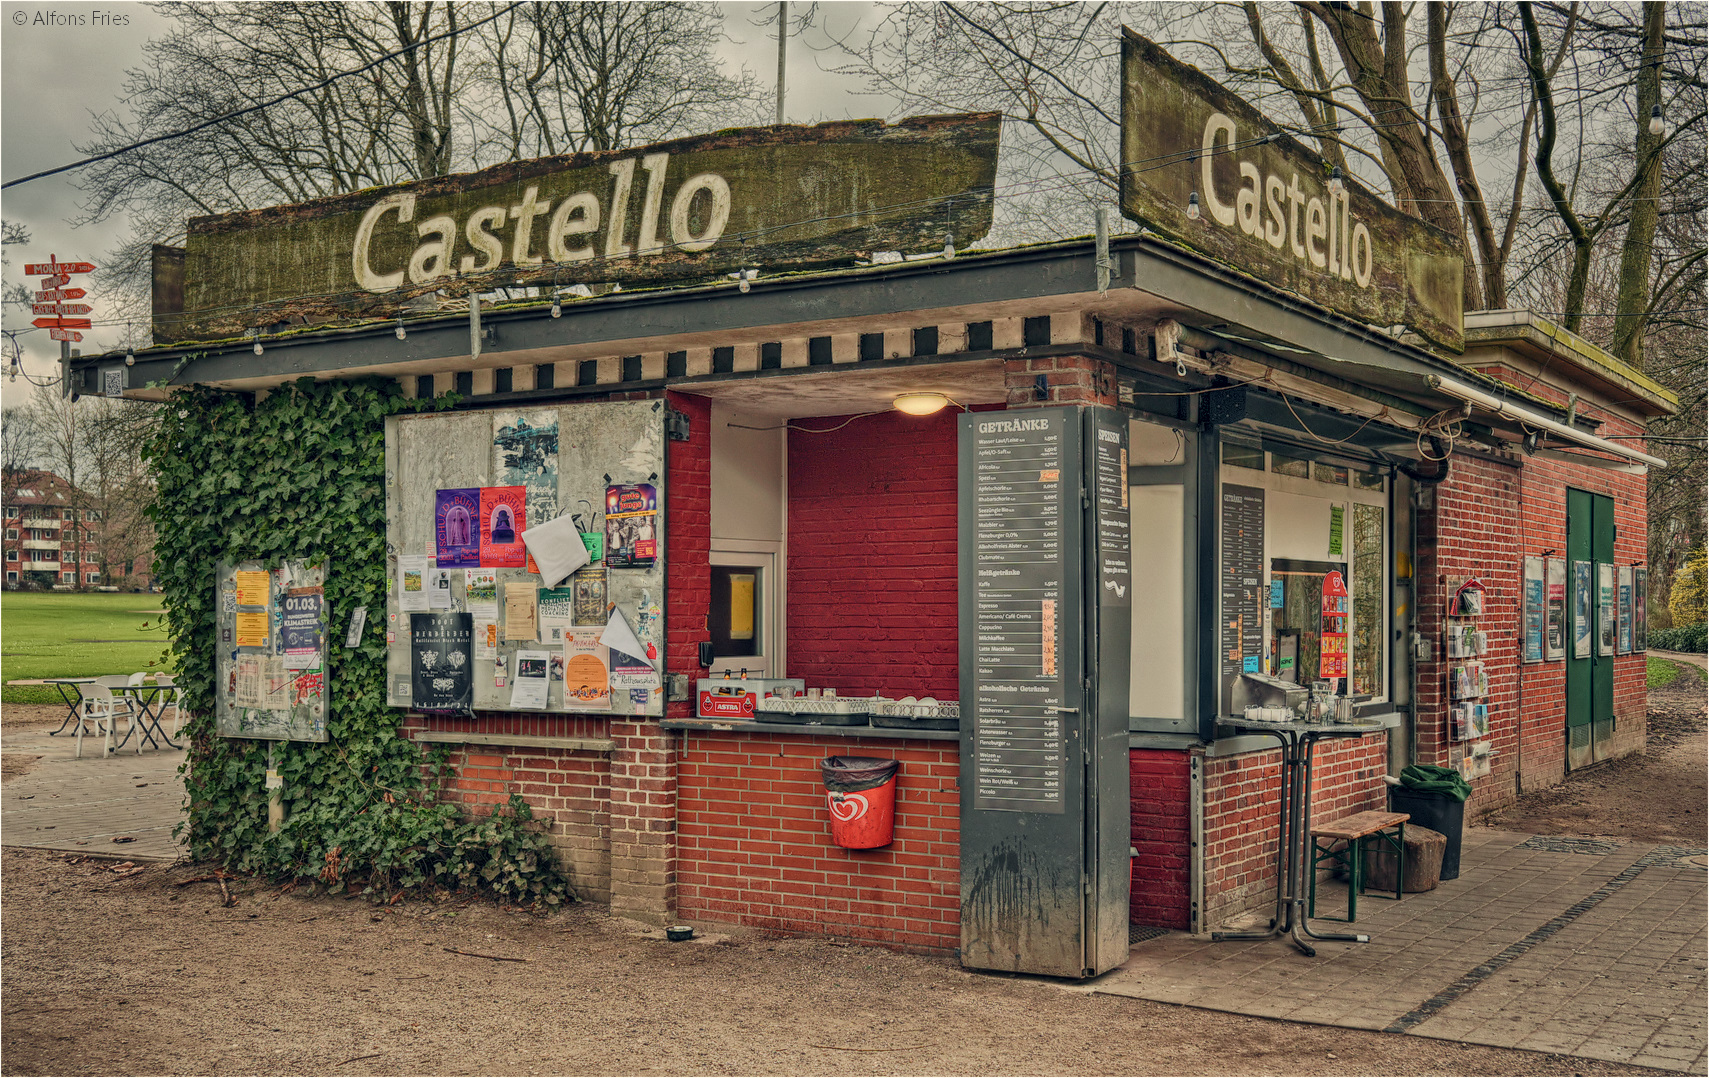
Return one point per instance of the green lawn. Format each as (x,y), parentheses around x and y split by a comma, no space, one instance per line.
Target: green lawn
(1659,672)
(66,634)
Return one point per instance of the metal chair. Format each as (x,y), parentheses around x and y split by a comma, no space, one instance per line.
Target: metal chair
(170,698)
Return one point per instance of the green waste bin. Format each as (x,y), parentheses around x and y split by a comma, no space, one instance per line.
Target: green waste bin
(1435,797)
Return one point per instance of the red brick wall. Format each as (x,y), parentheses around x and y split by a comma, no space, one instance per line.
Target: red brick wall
(872,556)
(688,543)
(1240,814)
(754,846)
(1158,810)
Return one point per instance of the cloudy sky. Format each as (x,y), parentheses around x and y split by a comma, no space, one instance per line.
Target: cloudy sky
(62,63)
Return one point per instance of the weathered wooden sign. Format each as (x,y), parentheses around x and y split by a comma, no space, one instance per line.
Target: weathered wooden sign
(1265,204)
(764,198)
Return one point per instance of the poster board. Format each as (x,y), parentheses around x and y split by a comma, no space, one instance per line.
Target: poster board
(270,671)
(1641,609)
(1624,605)
(469,484)
(1557,609)
(1534,621)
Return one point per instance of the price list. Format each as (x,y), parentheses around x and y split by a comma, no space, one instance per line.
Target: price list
(1114,531)
(1020,581)
(1242,571)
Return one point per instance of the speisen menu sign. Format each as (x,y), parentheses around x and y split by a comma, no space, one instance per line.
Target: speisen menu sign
(768,198)
(1266,206)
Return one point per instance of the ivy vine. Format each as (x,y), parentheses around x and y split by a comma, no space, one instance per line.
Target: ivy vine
(301,474)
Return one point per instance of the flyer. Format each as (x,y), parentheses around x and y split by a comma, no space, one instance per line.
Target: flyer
(251,628)
(486,639)
(480,590)
(412,582)
(456,527)
(589,587)
(587,681)
(631,525)
(301,635)
(438,589)
(521,621)
(251,587)
(555,614)
(441,662)
(503,520)
(529,691)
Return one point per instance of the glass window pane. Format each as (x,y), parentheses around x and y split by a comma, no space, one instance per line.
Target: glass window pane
(1283,464)
(1242,457)
(1368,480)
(1329,473)
(1370,631)
(735,622)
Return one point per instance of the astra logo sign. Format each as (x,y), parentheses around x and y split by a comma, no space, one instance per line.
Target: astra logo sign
(1265,204)
(771,199)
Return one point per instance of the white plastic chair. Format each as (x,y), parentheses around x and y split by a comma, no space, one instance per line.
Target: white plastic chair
(169,699)
(98,712)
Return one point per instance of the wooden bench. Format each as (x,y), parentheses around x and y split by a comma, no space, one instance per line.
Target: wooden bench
(1356,831)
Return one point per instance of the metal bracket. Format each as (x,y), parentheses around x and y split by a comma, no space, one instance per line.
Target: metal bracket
(676,425)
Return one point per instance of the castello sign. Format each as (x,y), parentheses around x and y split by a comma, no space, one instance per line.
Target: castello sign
(769,199)
(1266,206)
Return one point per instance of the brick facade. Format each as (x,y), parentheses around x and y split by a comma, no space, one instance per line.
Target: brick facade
(1159,811)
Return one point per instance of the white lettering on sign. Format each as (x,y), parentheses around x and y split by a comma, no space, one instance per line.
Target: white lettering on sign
(1006,426)
(571,227)
(1319,231)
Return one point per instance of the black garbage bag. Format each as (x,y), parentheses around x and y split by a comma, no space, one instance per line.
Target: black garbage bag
(852,774)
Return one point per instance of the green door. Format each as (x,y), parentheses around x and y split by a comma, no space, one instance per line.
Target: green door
(1590,658)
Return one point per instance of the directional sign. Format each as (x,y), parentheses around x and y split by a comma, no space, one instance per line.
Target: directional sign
(55,281)
(55,295)
(64,335)
(31,269)
(60,308)
(61,323)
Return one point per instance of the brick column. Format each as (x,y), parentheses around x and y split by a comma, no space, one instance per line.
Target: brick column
(643,821)
(1067,379)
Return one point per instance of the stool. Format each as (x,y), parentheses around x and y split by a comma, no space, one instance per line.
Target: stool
(1356,830)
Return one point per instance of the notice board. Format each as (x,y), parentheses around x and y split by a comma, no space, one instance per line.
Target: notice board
(270,671)
(462,488)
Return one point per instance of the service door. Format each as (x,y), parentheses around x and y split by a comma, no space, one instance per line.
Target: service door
(1590,654)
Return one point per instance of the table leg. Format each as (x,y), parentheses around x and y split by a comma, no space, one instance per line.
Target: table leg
(1349,937)
(72,699)
(1279,921)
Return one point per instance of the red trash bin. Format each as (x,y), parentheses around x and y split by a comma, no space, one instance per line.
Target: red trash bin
(860,791)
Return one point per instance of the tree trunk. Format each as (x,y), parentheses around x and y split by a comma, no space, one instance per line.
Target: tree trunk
(1454,137)
(1635,257)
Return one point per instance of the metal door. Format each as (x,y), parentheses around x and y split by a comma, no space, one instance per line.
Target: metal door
(1042,535)
(1590,672)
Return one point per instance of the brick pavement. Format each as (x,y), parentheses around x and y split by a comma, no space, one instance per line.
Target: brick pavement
(1598,954)
(82,805)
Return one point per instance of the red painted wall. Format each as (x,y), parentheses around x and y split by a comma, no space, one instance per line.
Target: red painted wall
(754,846)
(872,559)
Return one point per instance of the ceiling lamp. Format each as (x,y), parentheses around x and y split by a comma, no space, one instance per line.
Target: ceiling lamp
(920,403)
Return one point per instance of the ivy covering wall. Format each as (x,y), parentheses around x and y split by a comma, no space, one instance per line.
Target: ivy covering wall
(301,474)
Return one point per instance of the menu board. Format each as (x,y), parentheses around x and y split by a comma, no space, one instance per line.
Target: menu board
(1020,575)
(1242,637)
(1114,529)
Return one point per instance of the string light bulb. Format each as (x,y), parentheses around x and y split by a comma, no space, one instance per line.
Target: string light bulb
(1337,185)
(743,278)
(1656,125)
(949,246)
(557,308)
(257,334)
(1193,206)
(401,332)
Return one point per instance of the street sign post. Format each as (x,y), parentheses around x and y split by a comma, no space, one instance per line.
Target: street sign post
(61,323)
(55,295)
(34,269)
(64,335)
(60,308)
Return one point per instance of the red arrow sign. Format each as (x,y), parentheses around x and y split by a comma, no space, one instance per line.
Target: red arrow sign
(64,335)
(62,323)
(55,281)
(60,308)
(31,269)
(54,295)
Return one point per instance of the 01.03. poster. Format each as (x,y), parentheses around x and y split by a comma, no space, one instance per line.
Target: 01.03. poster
(441,661)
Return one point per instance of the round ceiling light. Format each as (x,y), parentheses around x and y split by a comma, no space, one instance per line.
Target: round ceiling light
(920,403)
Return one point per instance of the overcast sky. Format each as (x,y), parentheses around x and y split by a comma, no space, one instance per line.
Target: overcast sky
(61,63)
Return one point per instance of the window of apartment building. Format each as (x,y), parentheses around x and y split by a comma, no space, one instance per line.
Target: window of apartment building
(11,555)
(11,533)
(11,576)
(68,578)
(11,512)
(91,578)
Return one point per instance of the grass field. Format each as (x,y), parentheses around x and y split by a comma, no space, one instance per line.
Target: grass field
(66,634)
(1659,672)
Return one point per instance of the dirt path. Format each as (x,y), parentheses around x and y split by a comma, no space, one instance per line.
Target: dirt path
(1659,796)
(108,973)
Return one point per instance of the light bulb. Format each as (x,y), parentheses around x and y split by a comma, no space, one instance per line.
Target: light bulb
(130,359)
(1193,206)
(258,348)
(1656,125)
(557,309)
(949,247)
(742,281)
(401,332)
(920,403)
(1336,183)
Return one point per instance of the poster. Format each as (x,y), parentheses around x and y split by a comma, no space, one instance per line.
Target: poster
(301,634)
(1605,613)
(528,692)
(1557,609)
(1582,628)
(412,582)
(1337,529)
(1624,600)
(630,672)
(438,588)
(521,621)
(631,525)
(480,592)
(1534,610)
(252,589)
(441,664)
(486,639)
(252,628)
(555,613)
(503,520)
(456,527)
(1641,609)
(587,681)
(588,585)
(1332,661)
(525,457)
